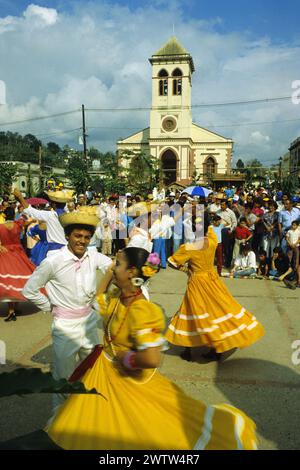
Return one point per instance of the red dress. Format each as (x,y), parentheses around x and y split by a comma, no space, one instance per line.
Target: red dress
(15,267)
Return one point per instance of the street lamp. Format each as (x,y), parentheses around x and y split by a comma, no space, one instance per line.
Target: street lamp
(280,170)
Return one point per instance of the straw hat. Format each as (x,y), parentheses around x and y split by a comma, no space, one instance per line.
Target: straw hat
(84,217)
(141,208)
(60,196)
(220,196)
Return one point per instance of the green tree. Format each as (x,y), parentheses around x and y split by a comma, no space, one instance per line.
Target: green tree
(76,171)
(7,176)
(254,168)
(114,175)
(144,172)
(240,164)
(53,148)
(290,184)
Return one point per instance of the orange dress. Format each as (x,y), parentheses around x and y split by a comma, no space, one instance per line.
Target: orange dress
(209,315)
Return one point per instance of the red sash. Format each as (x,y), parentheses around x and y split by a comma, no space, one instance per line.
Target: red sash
(86,364)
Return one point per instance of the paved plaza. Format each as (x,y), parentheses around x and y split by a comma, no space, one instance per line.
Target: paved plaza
(261,380)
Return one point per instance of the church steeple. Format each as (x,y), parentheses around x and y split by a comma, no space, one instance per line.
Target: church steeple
(172,68)
(170,50)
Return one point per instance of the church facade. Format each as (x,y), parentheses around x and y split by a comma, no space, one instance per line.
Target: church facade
(187,151)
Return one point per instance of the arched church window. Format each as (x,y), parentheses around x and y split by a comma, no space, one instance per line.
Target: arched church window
(210,166)
(177,82)
(163,84)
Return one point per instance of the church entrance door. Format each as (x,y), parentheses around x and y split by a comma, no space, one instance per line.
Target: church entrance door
(169,167)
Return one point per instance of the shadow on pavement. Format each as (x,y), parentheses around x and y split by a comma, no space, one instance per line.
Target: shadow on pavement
(268,393)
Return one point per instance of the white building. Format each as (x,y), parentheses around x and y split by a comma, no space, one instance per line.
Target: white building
(184,148)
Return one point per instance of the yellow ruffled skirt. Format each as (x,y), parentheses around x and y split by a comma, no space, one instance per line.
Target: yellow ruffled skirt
(149,412)
(210,316)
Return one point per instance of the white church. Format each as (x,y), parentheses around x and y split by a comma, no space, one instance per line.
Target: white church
(185,149)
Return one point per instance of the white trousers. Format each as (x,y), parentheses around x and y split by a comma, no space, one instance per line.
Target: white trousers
(73,341)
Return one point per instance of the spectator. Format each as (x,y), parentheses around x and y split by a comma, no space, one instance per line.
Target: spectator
(250,217)
(229,220)
(286,218)
(106,247)
(258,225)
(293,239)
(245,263)
(264,264)
(280,265)
(217,228)
(215,206)
(242,235)
(271,232)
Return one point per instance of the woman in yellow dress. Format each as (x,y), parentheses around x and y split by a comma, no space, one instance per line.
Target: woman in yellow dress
(138,407)
(208,315)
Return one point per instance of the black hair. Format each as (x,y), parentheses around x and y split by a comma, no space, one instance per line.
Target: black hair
(295,222)
(216,217)
(262,253)
(278,250)
(273,203)
(136,258)
(9,213)
(58,205)
(224,201)
(69,229)
(242,219)
(245,247)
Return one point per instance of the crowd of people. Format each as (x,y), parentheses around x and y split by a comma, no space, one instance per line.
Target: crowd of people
(130,238)
(258,230)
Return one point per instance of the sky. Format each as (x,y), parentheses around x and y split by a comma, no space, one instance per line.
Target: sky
(55,56)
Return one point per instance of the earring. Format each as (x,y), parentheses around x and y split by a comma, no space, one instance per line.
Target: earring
(137,281)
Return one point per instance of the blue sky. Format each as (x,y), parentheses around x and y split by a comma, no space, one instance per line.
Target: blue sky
(277,19)
(56,55)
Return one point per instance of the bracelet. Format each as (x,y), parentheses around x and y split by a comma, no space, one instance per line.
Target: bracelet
(129,360)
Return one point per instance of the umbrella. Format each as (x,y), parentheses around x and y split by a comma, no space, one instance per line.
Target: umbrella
(36,201)
(197,191)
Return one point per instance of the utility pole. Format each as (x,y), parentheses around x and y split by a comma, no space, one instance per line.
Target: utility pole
(40,169)
(84,135)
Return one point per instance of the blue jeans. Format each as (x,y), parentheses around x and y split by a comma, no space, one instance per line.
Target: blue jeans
(244,272)
(159,246)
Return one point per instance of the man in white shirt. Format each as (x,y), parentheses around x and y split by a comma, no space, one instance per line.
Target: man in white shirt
(69,278)
(230,223)
(54,231)
(215,205)
(245,263)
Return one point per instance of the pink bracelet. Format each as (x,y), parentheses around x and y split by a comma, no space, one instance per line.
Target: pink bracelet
(129,360)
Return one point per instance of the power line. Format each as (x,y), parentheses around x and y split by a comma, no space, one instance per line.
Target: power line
(58,132)
(39,118)
(201,105)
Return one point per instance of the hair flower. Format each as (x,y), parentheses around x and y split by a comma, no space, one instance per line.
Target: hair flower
(153,259)
(148,271)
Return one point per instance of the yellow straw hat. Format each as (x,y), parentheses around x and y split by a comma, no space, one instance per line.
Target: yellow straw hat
(141,208)
(83,217)
(60,196)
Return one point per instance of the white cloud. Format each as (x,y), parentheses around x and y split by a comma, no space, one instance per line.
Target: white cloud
(41,15)
(98,55)
(258,137)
